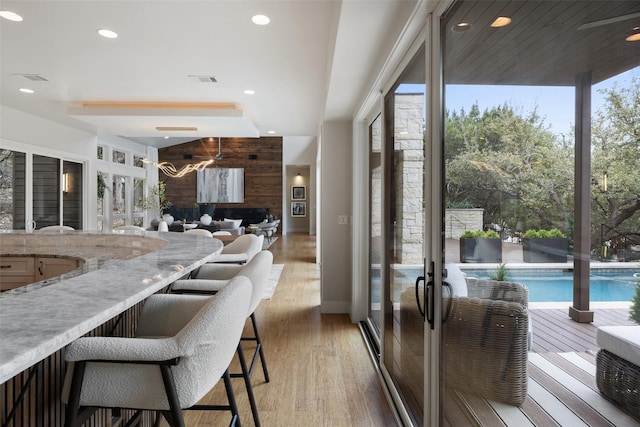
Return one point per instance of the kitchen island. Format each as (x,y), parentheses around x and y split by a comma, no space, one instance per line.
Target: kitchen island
(101,297)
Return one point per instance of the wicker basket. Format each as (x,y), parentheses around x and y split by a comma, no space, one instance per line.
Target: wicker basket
(619,380)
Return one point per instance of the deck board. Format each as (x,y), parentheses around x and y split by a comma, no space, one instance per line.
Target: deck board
(554,331)
(562,385)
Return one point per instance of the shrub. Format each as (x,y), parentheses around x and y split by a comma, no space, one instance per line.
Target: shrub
(479,234)
(500,274)
(543,234)
(634,312)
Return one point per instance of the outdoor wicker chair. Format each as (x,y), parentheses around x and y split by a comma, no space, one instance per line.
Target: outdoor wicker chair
(486,336)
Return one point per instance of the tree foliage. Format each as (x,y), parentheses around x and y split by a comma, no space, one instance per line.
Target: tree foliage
(615,209)
(510,164)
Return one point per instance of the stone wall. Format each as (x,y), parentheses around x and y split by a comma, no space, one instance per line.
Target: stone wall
(409,167)
(457,221)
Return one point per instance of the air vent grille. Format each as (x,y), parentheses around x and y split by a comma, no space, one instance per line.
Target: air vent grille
(203,79)
(33,77)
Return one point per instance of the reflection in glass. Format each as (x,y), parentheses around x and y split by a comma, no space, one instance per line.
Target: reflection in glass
(72,194)
(119,157)
(102,191)
(375,225)
(138,161)
(405,114)
(46,191)
(138,195)
(119,195)
(12,190)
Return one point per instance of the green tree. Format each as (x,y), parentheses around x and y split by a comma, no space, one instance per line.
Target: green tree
(615,209)
(509,164)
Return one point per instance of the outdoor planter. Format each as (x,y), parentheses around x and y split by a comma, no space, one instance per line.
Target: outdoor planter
(552,249)
(480,250)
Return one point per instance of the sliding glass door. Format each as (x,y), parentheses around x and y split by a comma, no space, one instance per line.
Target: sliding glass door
(404,168)
(375,227)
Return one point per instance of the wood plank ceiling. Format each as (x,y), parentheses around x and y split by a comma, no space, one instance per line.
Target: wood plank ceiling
(542,45)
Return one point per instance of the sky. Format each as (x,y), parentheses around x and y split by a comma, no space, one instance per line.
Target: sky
(555,104)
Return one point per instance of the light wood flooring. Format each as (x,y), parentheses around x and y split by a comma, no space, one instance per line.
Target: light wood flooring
(321,373)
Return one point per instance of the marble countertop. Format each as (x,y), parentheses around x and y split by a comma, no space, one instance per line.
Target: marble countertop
(39,319)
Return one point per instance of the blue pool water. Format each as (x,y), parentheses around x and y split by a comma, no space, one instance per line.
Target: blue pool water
(557,286)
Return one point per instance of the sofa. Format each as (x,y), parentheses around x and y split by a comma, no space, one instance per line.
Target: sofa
(233,226)
(248,215)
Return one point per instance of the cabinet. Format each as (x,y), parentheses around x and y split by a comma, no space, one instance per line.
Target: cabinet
(16,272)
(20,271)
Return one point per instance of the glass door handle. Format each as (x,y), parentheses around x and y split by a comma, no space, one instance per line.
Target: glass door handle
(429,303)
(448,310)
(420,305)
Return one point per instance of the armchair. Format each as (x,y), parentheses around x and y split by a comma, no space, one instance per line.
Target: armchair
(485,337)
(485,348)
(240,250)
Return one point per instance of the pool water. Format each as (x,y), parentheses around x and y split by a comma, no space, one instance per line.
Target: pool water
(557,286)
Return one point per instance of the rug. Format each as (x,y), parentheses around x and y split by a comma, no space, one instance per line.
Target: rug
(274,276)
(266,243)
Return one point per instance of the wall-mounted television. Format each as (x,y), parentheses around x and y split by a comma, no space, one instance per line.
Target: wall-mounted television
(221,185)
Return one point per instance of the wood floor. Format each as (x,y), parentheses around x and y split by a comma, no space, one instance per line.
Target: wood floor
(321,373)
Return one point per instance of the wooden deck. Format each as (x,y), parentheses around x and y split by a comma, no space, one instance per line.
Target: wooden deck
(554,331)
(562,388)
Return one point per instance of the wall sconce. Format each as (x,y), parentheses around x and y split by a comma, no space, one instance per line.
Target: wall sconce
(66,182)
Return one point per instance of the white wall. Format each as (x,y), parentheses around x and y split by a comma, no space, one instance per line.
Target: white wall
(27,133)
(299,151)
(335,205)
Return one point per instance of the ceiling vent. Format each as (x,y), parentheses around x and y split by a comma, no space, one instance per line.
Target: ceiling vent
(176,128)
(33,77)
(203,79)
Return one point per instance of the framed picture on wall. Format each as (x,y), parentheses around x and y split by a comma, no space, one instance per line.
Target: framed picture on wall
(298,209)
(298,192)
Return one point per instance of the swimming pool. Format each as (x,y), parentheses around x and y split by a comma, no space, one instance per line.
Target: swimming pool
(557,286)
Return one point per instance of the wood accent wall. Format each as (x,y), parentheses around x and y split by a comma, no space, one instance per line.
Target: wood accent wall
(262,174)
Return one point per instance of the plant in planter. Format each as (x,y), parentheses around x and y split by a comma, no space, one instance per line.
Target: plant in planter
(157,200)
(544,246)
(480,246)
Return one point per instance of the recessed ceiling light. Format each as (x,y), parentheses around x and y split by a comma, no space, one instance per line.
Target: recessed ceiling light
(249,92)
(10,16)
(633,35)
(271,131)
(108,33)
(260,19)
(461,27)
(26,90)
(166,137)
(501,21)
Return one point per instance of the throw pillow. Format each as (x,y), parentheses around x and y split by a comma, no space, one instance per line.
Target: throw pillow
(455,277)
(227,225)
(237,222)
